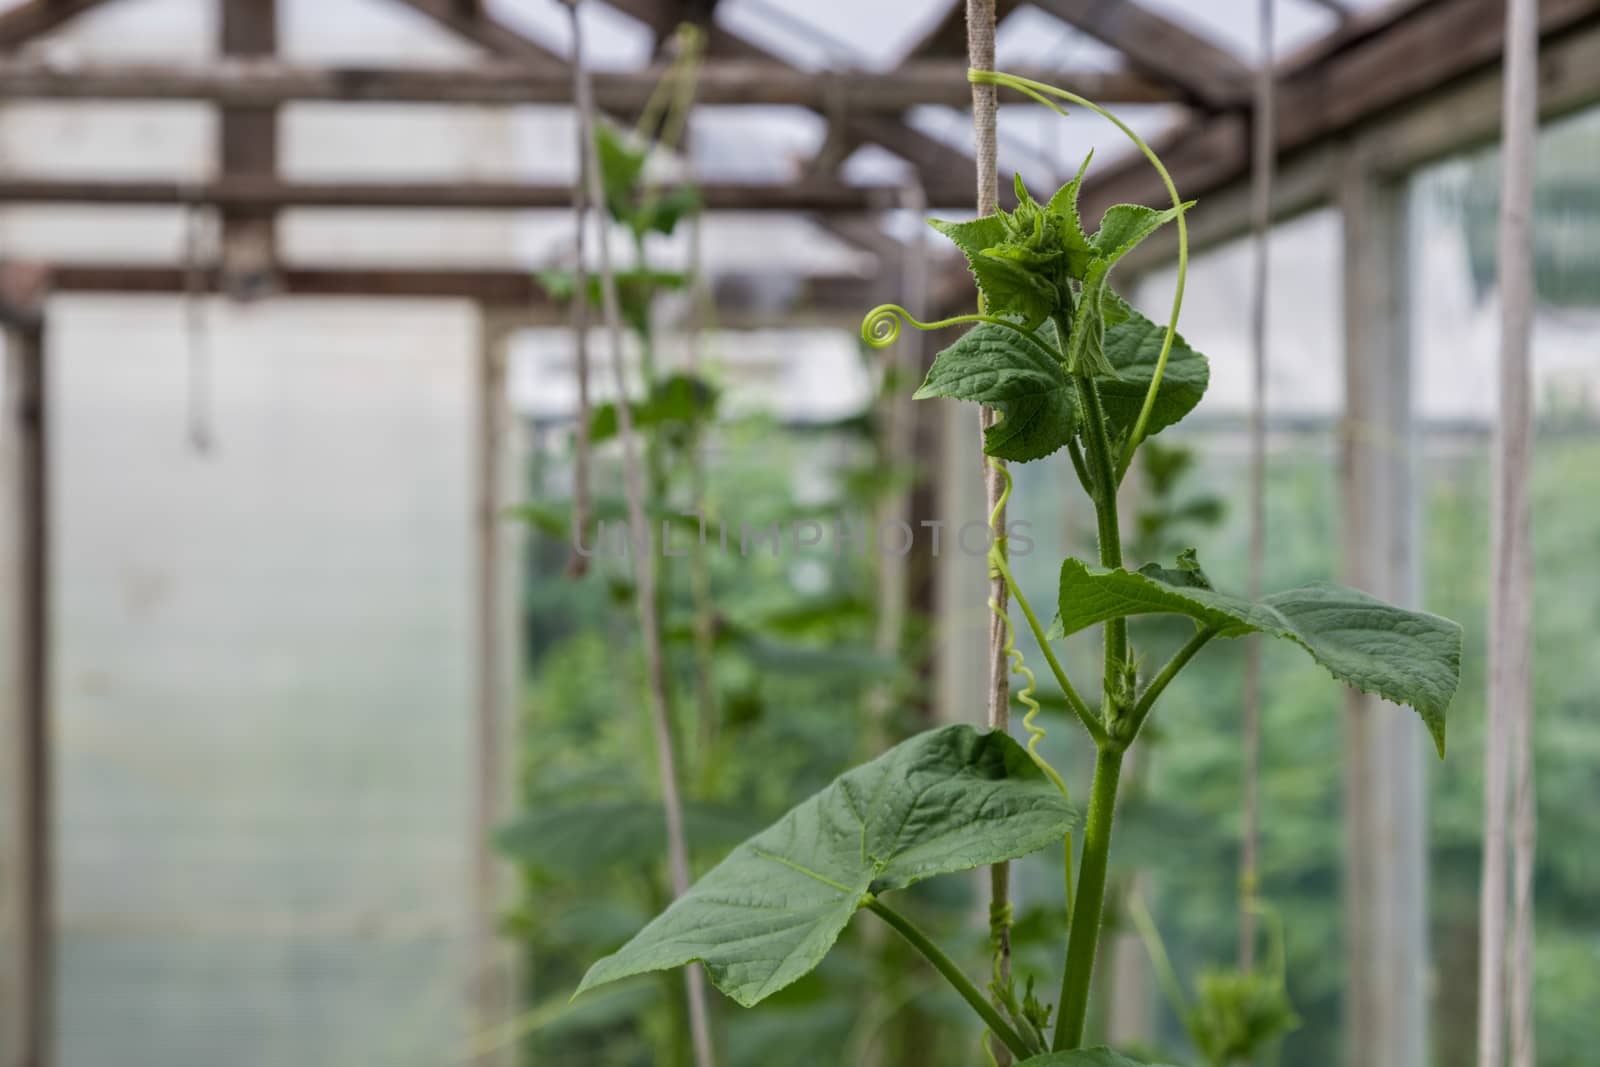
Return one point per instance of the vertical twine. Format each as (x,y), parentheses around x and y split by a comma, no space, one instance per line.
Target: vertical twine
(1264,147)
(980,56)
(1508,749)
(644,561)
(582,505)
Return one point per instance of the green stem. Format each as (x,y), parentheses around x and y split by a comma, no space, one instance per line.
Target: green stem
(1084,712)
(1159,683)
(952,974)
(1084,934)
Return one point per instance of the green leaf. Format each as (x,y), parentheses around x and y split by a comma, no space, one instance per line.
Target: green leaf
(1009,287)
(1125,225)
(582,839)
(1084,1057)
(1024,381)
(621,167)
(1064,205)
(1409,657)
(662,213)
(973,236)
(1132,346)
(1012,286)
(948,800)
(680,400)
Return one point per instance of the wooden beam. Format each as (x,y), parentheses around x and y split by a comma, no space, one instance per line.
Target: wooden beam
(28,872)
(249,149)
(1159,47)
(264,194)
(35,18)
(255,83)
(518,288)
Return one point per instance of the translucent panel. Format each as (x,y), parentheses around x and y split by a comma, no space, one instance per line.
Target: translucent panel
(366,32)
(768,143)
(832,33)
(330,141)
(1305,322)
(1457,311)
(611,40)
(400,237)
(93,233)
(1030,37)
(135,31)
(165,140)
(1234,24)
(263,776)
(796,375)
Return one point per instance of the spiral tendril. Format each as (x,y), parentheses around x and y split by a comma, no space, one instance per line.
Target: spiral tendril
(881,326)
(1036,733)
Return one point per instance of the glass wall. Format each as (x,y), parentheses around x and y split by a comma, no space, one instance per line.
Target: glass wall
(262,685)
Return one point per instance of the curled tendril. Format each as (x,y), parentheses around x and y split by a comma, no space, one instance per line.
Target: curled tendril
(881,326)
(1040,92)
(1036,733)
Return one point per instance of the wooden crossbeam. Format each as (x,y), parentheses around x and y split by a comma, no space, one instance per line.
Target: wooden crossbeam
(266,193)
(1159,47)
(258,83)
(828,292)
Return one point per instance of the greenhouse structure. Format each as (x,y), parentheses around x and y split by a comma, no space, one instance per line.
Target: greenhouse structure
(516,534)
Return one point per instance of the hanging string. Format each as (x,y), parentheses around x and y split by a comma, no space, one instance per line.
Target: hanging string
(980,56)
(197,333)
(582,499)
(644,562)
(1265,144)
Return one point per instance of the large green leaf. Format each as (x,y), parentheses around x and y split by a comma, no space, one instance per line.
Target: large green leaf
(1132,347)
(1409,657)
(579,839)
(948,800)
(1022,379)
(1099,1056)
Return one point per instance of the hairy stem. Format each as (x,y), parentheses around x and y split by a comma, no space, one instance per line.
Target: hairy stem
(952,974)
(1084,933)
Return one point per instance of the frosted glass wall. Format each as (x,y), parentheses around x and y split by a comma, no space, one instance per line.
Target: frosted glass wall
(262,688)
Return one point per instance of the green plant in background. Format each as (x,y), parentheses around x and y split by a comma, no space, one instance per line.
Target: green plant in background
(762,690)
(1070,365)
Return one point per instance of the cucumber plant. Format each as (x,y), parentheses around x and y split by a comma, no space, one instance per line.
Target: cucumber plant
(1069,365)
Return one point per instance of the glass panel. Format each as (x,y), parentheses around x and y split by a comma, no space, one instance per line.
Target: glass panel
(262,685)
